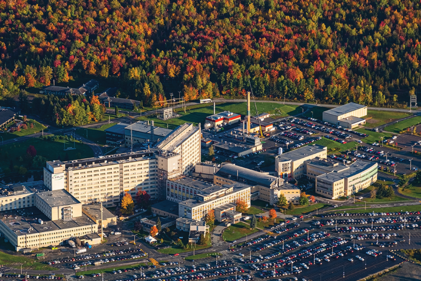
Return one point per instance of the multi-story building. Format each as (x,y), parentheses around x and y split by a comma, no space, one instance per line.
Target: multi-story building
(184,188)
(107,178)
(263,186)
(43,218)
(291,165)
(104,178)
(184,141)
(198,208)
(338,180)
(348,115)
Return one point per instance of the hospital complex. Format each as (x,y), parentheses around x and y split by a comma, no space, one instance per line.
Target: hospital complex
(66,205)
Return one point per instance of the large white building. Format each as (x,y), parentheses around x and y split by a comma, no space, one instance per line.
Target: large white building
(335,180)
(291,165)
(106,178)
(348,115)
(35,218)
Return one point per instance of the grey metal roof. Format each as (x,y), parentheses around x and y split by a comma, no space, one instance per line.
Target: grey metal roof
(341,110)
(56,198)
(24,221)
(95,211)
(117,128)
(301,152)
(142,127)
(6,115)
(231,171)
(353,169)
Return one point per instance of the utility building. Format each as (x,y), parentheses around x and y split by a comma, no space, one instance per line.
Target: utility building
(348,115)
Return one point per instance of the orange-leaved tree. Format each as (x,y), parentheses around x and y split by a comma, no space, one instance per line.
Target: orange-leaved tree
(154,231)
(241,206)
(272,214)
(210,217)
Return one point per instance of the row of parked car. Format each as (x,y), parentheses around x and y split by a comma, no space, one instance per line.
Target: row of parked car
(43,277)
(396,227)
(107,260)
(372,214)
(373,220)
(92,256)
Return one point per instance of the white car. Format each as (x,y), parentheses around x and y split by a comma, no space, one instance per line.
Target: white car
(351,259)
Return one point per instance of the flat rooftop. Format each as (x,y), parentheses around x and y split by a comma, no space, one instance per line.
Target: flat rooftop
(103,160)
(353,169)
(181,133)
(117,128)
(95,211)
(341,110)
(203,187)
(143,127)
(167,206)
(237,173)
(301,152)
(57,198)
(236,148)
(327,165)
(12,190)
(25,221)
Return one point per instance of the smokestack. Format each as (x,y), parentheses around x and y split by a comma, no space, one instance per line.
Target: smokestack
(152,123)
(248,113)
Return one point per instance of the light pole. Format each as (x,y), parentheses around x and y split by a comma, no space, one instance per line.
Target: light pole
(410,164)
(343,270)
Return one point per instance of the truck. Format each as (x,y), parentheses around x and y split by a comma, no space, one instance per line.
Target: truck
(98,263)
(71,243)
(81,250)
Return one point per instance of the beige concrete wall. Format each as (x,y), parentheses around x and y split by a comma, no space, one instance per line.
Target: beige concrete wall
(16,201)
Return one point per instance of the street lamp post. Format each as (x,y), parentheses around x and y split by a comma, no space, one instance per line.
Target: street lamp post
(410,164)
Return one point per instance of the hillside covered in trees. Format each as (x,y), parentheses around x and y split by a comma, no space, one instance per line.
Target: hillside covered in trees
(327,50)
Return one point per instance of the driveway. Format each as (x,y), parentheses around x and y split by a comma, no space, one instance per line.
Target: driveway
(216,235)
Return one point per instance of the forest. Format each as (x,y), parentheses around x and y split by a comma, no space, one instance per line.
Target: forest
(328,51)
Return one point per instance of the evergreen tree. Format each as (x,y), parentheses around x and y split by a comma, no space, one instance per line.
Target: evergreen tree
(253,222)
(202,239)
(116,110)
(291,206)
(158,224)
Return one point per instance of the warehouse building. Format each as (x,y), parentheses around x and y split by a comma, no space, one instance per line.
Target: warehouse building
(291,165)
(115,135)
(348,115)
(334,180)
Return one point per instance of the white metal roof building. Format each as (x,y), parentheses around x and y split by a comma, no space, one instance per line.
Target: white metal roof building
(342,115)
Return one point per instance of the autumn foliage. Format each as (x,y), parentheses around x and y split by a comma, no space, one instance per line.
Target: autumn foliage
(241,206)
(154,231)
(272,214)
(330,51)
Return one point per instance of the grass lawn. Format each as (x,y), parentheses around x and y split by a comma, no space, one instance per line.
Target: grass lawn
(37,128)
(261,224)
(411,208)
(306,209)
(261,204)
(197,113)
(379,118)
(52,150)
(94,134)
(402,125)
(317,112)
(373,136)
(27,263)
(202,256)
(254,211)
(236,231)
(413,191)
(330,144)
(385,200)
